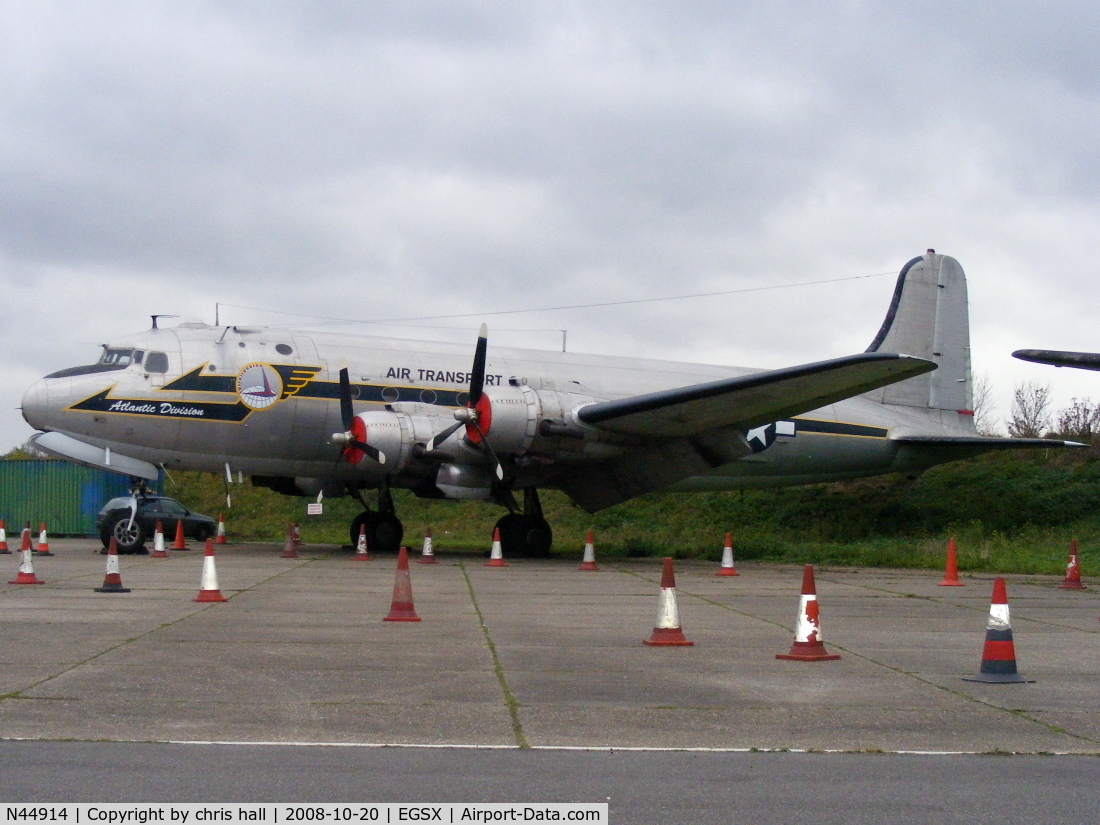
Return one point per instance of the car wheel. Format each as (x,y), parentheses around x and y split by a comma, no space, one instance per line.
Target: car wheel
(128,535)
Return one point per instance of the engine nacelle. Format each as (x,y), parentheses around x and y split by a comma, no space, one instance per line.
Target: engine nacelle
(396,434)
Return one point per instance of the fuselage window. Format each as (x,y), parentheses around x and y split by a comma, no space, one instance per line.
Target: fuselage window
(283,349)
(138,355)
(157,362)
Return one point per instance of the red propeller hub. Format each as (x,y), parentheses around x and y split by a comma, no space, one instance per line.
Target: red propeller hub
(484,420)
(352,454)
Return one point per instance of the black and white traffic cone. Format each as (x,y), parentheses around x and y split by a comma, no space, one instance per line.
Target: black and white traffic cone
(999,653)
(112,582)
(667,632)
(807,645)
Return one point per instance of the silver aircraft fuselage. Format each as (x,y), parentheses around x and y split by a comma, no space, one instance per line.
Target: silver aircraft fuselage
(265,402)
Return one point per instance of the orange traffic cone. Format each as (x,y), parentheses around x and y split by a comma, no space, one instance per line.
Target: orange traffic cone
(999,653)
(112,582)
(807,645)
(26,569)
(43,542)
(289,546)
(496,556)
(3,539)
(589,560)
(361,553)
(208,588)
(951,571)
(401,608)
(1073,570)
(180,543)
(427,551)
(727,568)
(219,537)
(668,631)
(158,543)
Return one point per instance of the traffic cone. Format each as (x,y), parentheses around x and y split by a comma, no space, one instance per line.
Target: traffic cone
(951,571)
(361,553)
(112,582)
(496,556)
(727,568)
(208,588)
(589,560)
(290,548)
(3,539)
(180,543)
(807,645)
(158,543)
(401,608)
(427,552)
(998,654)
(26,569)
(43,542)
(668,631)
(219,537)
(296,534)
(1073,570)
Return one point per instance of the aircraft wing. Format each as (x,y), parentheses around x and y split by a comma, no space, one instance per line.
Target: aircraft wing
(1080,360)
(751,400)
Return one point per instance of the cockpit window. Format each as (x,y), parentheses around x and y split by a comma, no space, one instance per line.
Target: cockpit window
(157,362)
(117,358)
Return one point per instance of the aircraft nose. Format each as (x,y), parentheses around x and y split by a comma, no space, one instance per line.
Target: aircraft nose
(36,404)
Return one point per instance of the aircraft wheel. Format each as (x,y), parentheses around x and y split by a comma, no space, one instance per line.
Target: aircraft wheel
(387,534)
(129,537)
(367,518)
(525,537)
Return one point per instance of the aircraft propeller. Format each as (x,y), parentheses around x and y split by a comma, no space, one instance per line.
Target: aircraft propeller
(477,410)
(355,431)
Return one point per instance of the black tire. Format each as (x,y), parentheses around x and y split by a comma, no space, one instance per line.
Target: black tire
(368,518)
(129,536)
(384,532)
(525,537)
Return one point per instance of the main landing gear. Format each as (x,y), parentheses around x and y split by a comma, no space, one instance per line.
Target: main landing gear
(525,534)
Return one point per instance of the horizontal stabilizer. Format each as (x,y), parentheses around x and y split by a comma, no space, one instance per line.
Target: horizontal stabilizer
(88,455)
(953,448)
(751,400)
(1057,358)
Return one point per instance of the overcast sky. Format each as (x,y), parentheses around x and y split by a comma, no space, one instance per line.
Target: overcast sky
(378,161)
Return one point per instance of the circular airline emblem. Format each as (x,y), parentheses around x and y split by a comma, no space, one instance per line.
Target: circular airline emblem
(259,386)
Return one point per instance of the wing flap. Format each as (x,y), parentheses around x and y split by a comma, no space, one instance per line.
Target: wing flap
(751,400)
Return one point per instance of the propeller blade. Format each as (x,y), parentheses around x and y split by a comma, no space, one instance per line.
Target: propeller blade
(373,452)
(443,436)
(347,411)
(485,443)
(477,375)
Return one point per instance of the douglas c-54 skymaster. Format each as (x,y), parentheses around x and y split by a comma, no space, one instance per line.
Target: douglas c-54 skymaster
(306,414)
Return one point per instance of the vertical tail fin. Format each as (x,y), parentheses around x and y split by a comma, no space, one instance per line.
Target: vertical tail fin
(929,318)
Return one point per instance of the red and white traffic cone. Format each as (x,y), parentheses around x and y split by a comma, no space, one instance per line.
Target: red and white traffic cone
(296,534)
(667,632)
(427,551)
(496,555)
(589,560)
(3,539)
(290,548)
(727,568)
(26,569)
(361,553)
(180,543)
(158,543)
(401,607)
(112,582)
(1073,570)
(951,570)
(807,645)
(43,542)
(208,587)
(999,653)
(219,537)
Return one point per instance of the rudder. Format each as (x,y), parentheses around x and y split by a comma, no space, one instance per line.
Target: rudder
(929,318)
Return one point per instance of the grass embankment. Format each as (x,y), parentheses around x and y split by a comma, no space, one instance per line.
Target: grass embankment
(1013,513)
